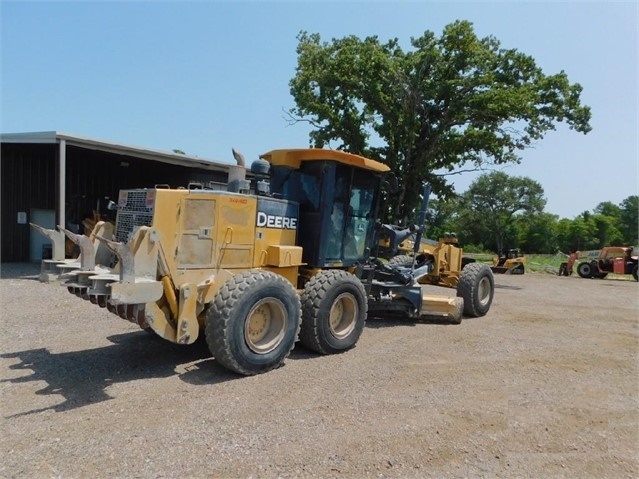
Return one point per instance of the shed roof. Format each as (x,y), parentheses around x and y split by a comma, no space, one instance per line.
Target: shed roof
(53,137)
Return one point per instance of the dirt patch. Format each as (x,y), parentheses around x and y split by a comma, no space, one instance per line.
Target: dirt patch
(545,385)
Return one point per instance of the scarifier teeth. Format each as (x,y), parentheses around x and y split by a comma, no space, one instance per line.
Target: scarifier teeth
(140,316)
(79,291)
(122,311)
(99,299)
(111,307)
(103,300)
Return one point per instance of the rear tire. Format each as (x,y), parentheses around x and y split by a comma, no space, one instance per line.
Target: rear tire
(253,322)
(634,273)
(585,270)
(477,287)
(334,310)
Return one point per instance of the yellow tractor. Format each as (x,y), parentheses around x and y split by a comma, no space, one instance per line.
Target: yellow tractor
(258,263)
(509,262)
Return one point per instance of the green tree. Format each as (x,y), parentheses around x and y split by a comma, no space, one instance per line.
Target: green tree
(493,202)
(577,234)
(629,220)
(606,231)
(450,104)
(538,233)
(441,217)
(564,242)
(608,208)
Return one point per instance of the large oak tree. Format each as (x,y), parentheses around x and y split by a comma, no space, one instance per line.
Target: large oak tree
(449,104)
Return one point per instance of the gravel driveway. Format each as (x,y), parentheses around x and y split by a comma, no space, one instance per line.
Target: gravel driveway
(545,386)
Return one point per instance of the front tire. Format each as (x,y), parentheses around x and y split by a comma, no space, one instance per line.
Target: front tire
(585,270)
(334,310)
(634,273)
(253,322)
(477,287)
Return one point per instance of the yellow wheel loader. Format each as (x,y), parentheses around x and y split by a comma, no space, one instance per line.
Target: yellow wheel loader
(258,263)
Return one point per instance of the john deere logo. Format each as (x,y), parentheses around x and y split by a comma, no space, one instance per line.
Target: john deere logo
(276,213)
(274,221)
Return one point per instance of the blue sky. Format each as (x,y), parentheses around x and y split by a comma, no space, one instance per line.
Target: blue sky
(208,76)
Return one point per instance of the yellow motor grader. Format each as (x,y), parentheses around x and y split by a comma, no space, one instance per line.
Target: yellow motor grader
(257,263)
(442,263)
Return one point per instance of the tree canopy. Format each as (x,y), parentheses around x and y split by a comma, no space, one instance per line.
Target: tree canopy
(452,103)
(499,211)
(491,204)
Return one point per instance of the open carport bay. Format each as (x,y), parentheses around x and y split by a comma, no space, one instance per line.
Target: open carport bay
(545,385)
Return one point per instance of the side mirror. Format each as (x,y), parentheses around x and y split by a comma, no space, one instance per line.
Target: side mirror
(112,205)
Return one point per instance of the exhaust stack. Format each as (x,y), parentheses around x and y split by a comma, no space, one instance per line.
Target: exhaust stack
(237,182)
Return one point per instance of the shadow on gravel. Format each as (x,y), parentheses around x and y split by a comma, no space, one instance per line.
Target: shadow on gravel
(209,372)
(504,286)
(378,323)
(81,377)
(19,271)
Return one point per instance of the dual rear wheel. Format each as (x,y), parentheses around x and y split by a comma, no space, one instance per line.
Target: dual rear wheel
(255,318)
(334,310)
(253,322)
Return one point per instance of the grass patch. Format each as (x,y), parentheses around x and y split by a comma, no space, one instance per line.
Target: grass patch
(547,263)
(535,263)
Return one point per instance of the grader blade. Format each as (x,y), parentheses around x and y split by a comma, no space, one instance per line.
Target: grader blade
(440,307)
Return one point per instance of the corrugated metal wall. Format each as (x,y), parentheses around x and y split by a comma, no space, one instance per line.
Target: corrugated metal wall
(29,180)
(28,175)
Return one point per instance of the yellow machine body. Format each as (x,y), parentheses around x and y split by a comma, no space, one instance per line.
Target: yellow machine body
(445,255)
(249,265)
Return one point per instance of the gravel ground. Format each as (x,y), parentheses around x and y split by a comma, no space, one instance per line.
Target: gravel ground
(545,386)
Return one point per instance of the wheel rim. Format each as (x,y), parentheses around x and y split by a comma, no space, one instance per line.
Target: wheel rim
(483,291)
(265,325)
(343,315)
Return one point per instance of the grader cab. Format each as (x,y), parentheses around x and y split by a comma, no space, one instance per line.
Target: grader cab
(259,263)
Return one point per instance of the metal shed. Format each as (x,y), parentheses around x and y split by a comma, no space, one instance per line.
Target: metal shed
(52,178)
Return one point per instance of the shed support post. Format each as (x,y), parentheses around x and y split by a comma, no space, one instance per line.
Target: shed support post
(62,168)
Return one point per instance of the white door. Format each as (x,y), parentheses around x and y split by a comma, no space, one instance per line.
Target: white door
(46,219)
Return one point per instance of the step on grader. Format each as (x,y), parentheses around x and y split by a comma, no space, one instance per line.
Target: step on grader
(256,264)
